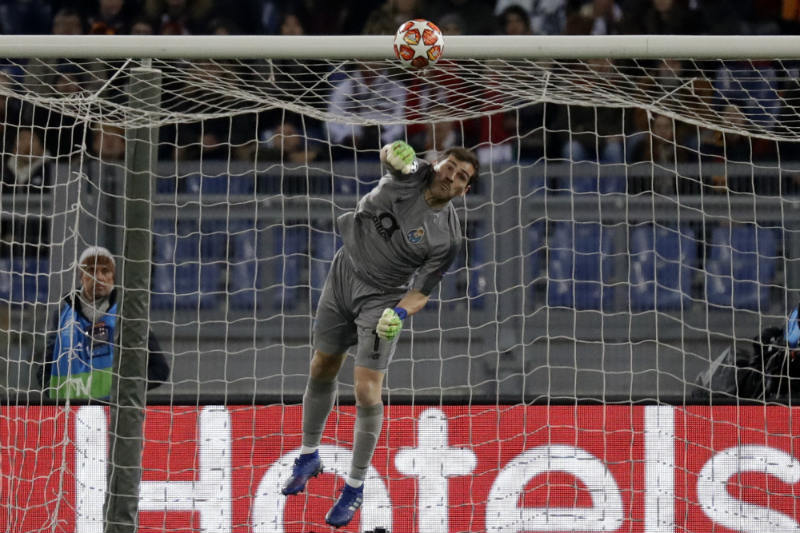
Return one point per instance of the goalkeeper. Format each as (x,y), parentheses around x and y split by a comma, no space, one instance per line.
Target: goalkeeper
(397,245)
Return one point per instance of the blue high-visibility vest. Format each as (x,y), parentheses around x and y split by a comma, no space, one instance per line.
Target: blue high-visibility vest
(83,355)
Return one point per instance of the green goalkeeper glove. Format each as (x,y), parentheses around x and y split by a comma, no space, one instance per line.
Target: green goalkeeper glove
(399,156)
(391,323)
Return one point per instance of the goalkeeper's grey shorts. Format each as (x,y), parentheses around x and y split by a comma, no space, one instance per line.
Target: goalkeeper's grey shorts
(347,314)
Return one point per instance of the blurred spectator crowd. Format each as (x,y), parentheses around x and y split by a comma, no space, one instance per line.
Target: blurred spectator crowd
(552,17)
(748,94)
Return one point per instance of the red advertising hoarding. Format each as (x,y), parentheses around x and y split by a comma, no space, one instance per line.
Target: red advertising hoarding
(648,469)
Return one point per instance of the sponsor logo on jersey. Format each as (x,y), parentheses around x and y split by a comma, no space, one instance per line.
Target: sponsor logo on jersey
(415,235)
(385,223)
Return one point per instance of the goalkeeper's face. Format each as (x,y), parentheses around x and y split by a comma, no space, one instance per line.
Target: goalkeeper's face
(452,178)
(97,277)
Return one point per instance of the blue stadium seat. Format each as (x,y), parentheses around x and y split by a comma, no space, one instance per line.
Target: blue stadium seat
(185,274)
(741,265)
(191,184)
(244,283)
(5,280)
(166,184)
(214,185)
(269,183)
(175,243)
(365,185)
(585,179)
(163,241)
(468,276)
(324,244)
(214,239)
(291,247)
(162,286)
(186,286)
(661,265)
(244,276)
(580,266)
(29,280)
(535,251)
(345,185)
(533,181)
(245,184)
(586,171)
(187,244)
(477,265)
(223,184)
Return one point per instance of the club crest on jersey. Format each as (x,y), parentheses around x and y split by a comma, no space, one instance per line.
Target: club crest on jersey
(415,235)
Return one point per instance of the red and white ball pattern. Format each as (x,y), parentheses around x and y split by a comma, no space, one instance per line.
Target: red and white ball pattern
(418,43)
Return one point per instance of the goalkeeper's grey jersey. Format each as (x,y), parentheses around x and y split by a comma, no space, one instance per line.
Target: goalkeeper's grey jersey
(394,233)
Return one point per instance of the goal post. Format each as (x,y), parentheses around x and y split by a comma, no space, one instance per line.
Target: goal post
(371,47)
(586,364)
(127,409)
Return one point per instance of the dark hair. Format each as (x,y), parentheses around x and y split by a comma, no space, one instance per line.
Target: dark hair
(466,155)
(518,10)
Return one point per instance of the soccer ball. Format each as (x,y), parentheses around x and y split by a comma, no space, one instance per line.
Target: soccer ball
(418,43)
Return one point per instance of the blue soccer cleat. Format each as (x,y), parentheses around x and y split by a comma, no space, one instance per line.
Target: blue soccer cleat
(305,467)
(346,506)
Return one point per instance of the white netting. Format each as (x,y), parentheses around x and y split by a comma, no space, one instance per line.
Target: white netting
(696,91)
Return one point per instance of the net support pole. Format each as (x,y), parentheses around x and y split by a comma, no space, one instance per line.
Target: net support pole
(130,367)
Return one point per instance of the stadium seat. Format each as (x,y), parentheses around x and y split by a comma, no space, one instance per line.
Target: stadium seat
(535,251)
(186,286)
(291,246)
(244,277)
(586,172)
(29,280)
(268,183)
(580,265)
(214,185)
(741,264)
(5,280)
(191,184)
(366,184)
(345,185)
(162,285)
(166,184)
(467,276)
(176,243)
(244,184)
(224,184)
(214,239)
(202,184)
(477,265)
(163,241)
(324,244)
(661,265)
(187,269)
(533,181)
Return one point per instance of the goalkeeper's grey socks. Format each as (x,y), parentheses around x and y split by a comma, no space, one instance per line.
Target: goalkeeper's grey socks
(317,404)
(369,421)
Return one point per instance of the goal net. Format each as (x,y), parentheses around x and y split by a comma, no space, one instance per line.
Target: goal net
(607,353)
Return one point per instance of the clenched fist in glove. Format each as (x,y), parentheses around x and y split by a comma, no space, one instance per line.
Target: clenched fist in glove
(391,323)
(399,156)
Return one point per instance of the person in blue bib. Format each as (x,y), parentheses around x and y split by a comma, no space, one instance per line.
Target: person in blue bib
(80,348)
